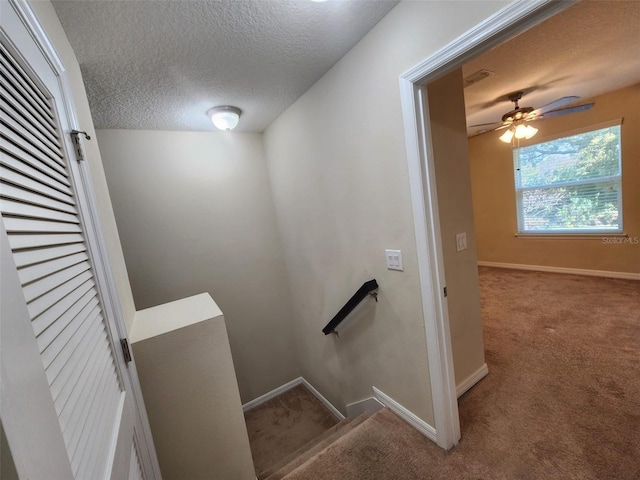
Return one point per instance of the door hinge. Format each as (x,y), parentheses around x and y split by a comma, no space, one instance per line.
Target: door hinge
(445,291)
(125,350)
(77,144)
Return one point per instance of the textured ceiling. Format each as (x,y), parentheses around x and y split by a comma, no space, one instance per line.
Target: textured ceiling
(160,65)
(588,49)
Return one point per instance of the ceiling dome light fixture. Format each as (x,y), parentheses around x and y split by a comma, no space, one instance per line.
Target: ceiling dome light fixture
(225,118)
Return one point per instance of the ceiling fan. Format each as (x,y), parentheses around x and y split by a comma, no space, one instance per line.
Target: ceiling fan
(517,119)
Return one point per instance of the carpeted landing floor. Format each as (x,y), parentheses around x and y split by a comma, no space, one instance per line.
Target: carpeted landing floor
(561,401)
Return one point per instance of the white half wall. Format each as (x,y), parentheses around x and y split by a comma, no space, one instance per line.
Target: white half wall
(195,214)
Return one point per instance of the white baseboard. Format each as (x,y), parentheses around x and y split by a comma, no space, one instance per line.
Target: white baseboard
(471,380)
(369,406)
(288,386)
(320,397)
(409,417)
(572,271)
(272,394)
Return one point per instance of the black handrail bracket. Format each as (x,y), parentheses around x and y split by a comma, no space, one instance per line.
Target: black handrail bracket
(367,288)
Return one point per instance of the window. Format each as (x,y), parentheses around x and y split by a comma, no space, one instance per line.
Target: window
(571,184)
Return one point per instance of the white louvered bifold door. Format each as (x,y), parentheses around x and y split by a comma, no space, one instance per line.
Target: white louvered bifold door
(45,234)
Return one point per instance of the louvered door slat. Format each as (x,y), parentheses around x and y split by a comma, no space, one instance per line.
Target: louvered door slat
(15,76)
(15,105)
(30,137)
(69,380)
(20,209)
(44,321)
(17,73)
(46,235)
(14,151)
(53,299)
(19,241)
(9,90)
(51,282)
(41,270)
(79,427)
(82,395)
(93,461)
(12,192)
(49,168)
(47,309)
(9,111)
(30,225)
(62,380)
(87,458)
(48,178)
(63,335)
(30,257)
(27,183)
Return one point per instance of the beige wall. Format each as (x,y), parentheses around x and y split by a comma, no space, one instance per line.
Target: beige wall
(453,183)
(49,21)
(494,195)
(339,175)
(195,215)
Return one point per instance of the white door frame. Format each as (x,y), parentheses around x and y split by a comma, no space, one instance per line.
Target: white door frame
(510,20)
(104,276)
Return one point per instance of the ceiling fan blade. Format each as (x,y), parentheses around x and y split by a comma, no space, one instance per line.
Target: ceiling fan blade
(556,104)
(485,130)
(568,110)
(485,124)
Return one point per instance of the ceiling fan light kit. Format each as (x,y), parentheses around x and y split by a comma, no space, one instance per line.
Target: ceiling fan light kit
(516,121)
(519,131)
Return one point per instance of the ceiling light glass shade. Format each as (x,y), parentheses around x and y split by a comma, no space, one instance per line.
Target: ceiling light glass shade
(530,132)
(225,118)
(519,131)
(507,136)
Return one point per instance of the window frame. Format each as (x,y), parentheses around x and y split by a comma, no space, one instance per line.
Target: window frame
(575,232)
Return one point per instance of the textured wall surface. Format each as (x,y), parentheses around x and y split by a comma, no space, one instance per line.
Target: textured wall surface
(195,214)
(494,199)
(453,183)
(338,167)
(162,65)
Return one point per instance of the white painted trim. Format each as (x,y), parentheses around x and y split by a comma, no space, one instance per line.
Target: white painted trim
(326,402)
(409,417)
(32,23)
(510,20)
(288,386)
(272,394)
(570,271)
(369,406)
(471,380)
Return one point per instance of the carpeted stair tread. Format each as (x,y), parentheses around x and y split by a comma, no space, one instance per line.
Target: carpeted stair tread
(383,447)
(279,426)
(318,447)
(307,446)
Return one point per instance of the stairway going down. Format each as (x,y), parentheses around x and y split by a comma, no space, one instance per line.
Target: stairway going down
(294,436)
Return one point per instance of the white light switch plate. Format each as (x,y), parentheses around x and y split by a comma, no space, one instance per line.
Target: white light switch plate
(394,259)
(461,241)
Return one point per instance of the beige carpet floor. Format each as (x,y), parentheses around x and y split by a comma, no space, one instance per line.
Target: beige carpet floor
(561,401)
(283,424)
